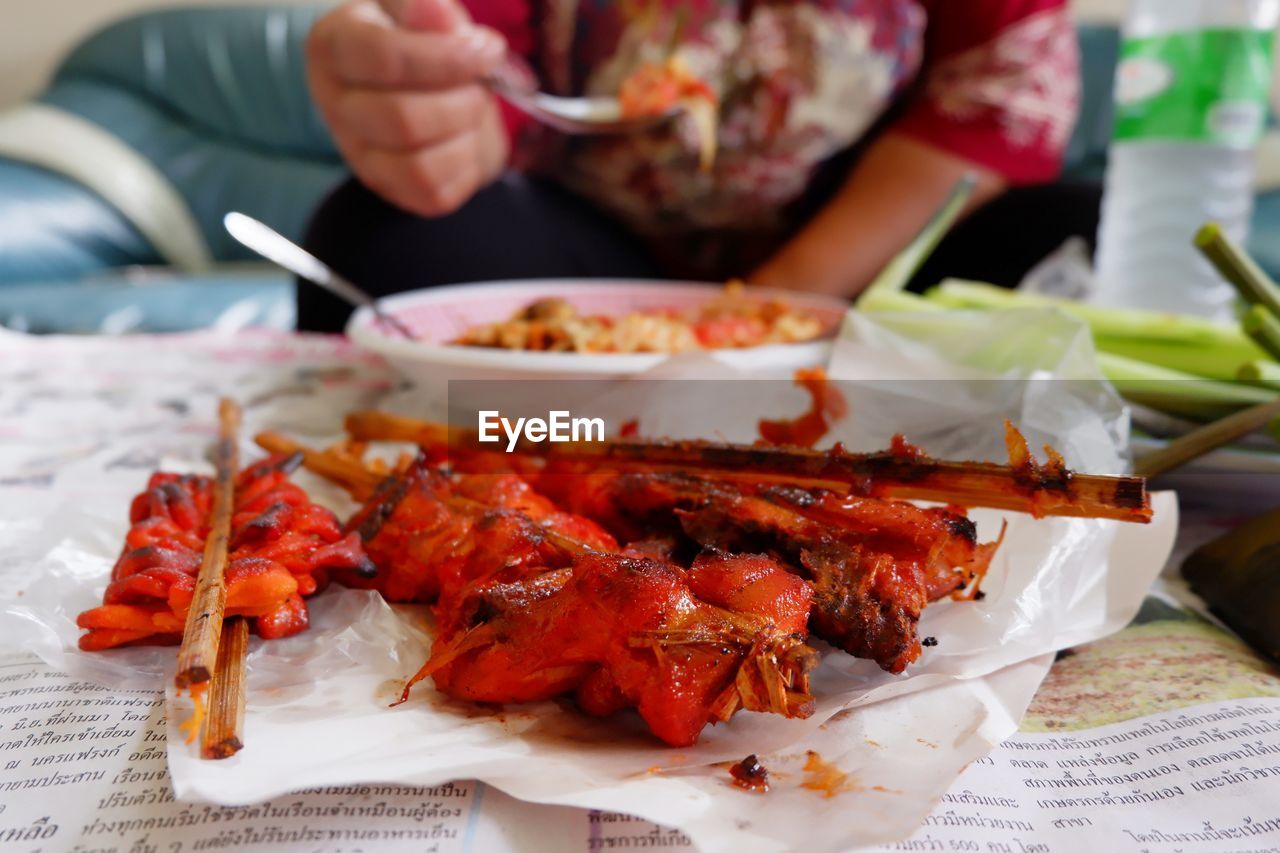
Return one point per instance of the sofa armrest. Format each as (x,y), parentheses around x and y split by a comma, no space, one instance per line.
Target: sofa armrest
(52,227)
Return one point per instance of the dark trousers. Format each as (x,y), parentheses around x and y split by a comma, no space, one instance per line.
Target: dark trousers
(523,228)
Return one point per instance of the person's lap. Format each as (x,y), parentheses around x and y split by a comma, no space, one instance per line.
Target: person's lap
(524,228)
(515,228)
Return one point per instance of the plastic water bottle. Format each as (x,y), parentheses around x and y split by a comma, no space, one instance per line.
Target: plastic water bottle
(1191,104)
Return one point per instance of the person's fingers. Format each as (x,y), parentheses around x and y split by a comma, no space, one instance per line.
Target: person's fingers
(432,181)
(400,120)
(495,145)
(359,45)
(440,16)
(326,91)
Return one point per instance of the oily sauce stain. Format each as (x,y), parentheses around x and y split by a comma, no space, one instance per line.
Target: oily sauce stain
(824,777)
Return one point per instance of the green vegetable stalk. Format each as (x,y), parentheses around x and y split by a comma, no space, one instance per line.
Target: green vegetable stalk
(1188,344)
(1263,327)
(1235,265)
(1183,365)
(1179,393)
(1265,373)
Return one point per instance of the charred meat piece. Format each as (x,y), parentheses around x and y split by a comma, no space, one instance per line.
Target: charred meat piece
(433,533)
(706,609)
(685,648)
(874,564)
(750,775)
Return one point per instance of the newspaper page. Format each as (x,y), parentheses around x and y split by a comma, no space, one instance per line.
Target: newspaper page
(1165,736)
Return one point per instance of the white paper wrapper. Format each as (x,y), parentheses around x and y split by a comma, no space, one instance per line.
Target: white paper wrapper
(318,710)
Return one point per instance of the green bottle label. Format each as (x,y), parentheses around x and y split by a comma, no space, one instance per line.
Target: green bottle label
(1200,86)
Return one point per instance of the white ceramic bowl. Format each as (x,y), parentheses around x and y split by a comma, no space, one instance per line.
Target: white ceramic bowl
(441,314)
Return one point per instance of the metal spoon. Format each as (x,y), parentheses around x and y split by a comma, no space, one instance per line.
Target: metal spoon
(578,116)
(283,252)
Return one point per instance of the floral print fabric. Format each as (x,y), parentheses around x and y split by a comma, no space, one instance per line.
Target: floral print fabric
(991,81)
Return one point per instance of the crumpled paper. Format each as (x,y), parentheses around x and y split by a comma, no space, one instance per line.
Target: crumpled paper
(318,710)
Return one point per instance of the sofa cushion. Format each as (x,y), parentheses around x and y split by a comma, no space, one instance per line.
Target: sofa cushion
(151,301)
(234,74)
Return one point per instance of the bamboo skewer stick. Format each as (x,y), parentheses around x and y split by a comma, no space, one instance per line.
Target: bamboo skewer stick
(1208,437)
(969,484)
(358,480)
(198,655)
(973,484)
(384,426)
(347,472)
(224,725)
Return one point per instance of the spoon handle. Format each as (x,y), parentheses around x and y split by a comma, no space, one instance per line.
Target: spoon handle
(283,252)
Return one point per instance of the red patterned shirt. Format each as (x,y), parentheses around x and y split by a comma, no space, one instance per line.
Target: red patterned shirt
(992,81)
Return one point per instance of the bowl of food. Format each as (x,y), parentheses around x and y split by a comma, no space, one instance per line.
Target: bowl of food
(595,328)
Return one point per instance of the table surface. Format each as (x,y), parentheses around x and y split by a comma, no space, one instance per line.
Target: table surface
(70,410)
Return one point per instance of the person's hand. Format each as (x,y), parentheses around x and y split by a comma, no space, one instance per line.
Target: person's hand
(399,83)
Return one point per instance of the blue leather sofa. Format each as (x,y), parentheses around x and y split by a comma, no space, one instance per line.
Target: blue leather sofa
(156,126)
(213,105)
